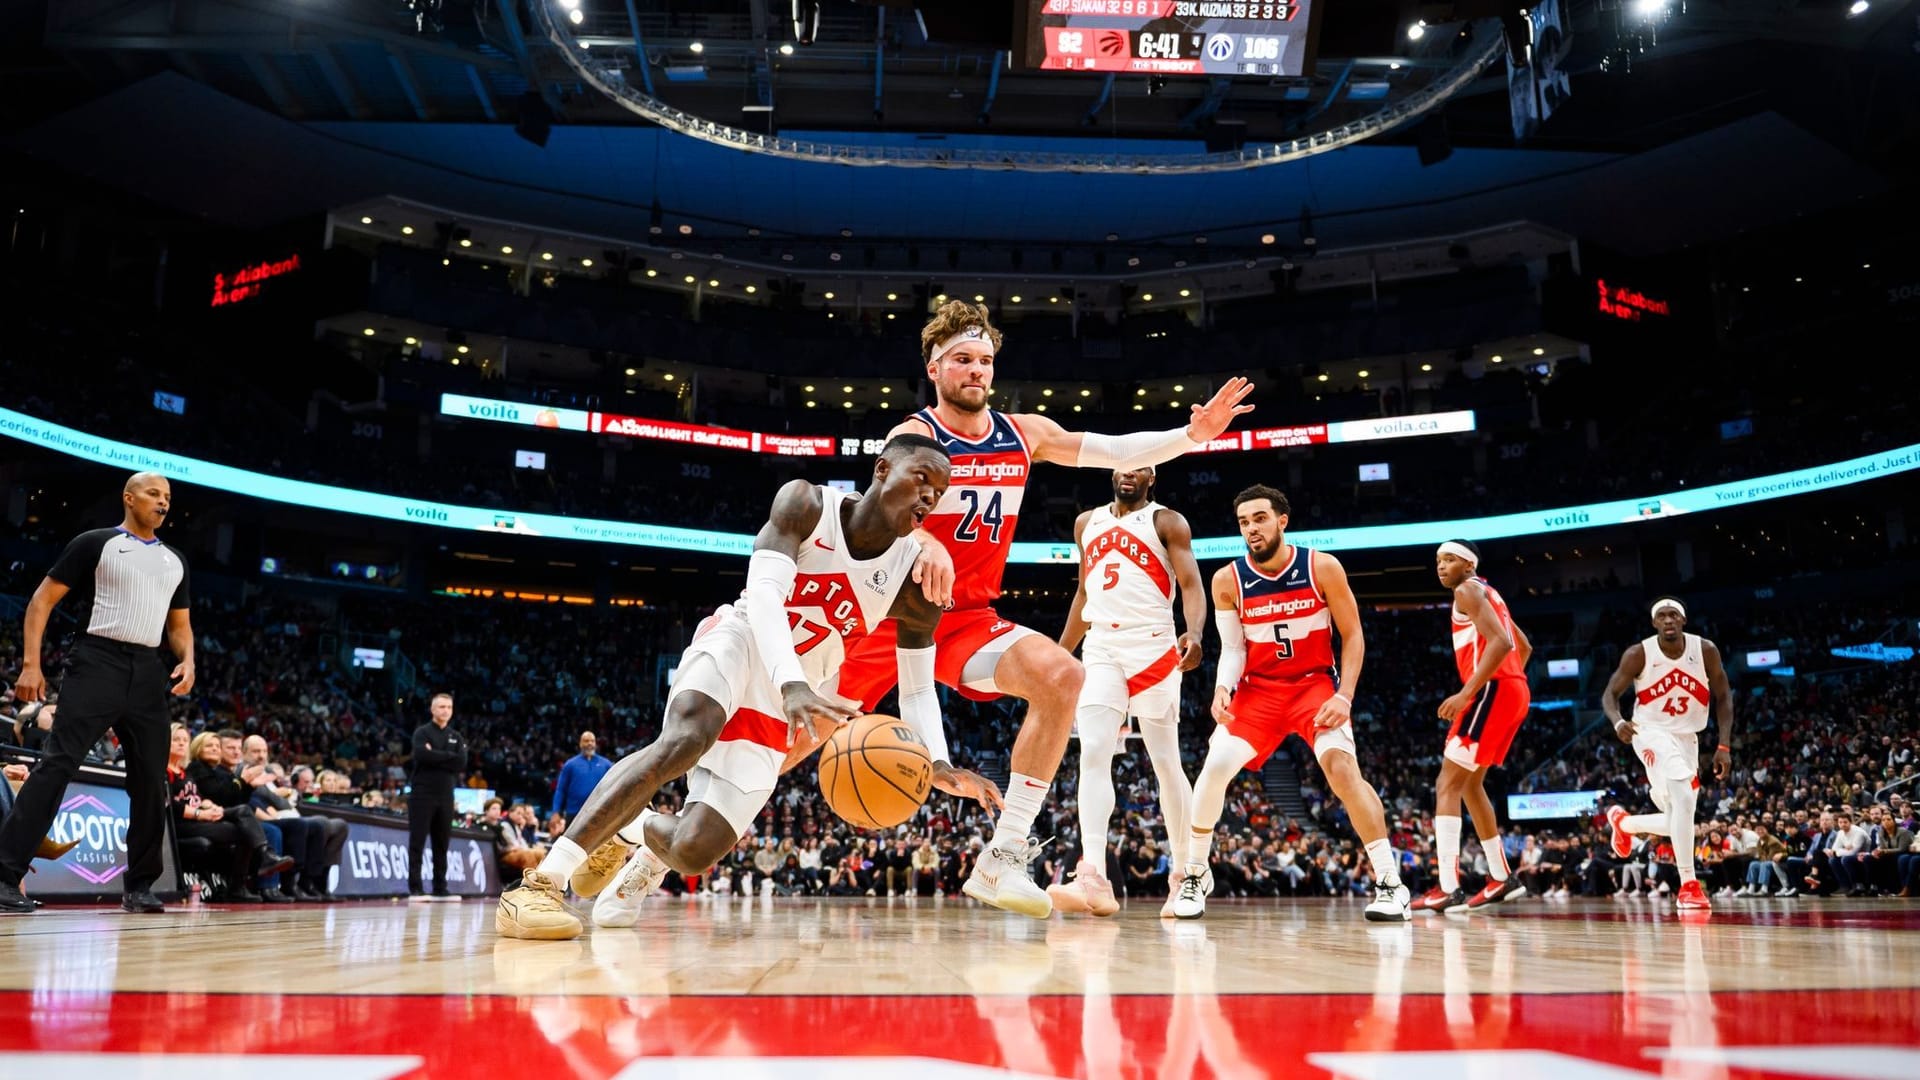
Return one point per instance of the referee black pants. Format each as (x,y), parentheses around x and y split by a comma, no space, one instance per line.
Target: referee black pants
(109,684)
(429,812)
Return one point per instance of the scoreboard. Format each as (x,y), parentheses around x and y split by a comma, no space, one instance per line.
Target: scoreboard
(1172,37)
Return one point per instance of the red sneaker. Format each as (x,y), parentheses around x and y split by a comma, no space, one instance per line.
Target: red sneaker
(1622,840)
(1438,900)
(1497,891)
(1692,897)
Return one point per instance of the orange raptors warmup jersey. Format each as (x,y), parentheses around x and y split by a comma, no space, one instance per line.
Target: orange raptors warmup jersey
(1670,694)
(1468,646)
(1127,571)
(975,518)
(1289,630)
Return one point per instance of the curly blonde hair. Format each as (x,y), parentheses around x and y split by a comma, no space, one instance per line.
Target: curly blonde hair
(956,316)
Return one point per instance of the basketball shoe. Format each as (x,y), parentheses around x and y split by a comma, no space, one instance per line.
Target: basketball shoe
(1496,892)
(620,905)
(535,910)
(1177,878)
(1692,897)
(1190,902)
(1088,892)
(1622,840)
(1439,901)
(600,868)
(1000,878)
(1390,903)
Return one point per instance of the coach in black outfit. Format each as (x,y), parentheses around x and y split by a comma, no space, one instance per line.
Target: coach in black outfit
(133,589)
(439,759)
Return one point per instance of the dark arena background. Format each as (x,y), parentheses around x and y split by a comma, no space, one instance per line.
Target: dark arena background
(461,347)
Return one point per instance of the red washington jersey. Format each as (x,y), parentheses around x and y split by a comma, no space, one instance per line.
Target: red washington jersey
(1469,646)
(975,518)
(1289,629)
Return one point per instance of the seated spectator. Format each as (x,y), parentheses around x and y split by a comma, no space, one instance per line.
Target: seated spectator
(314,842)
(510,846)
(1769,863)
(209,802)
(925,869)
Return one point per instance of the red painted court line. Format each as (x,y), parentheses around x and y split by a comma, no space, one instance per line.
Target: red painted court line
(1137,1035)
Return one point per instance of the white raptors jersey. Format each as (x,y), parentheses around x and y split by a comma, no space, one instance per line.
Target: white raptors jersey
(836,598)
(1128,576)
(1669,694)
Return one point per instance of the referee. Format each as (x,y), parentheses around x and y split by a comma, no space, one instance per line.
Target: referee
(133,588)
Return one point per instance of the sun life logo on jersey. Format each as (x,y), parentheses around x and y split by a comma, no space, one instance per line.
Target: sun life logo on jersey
(878,582)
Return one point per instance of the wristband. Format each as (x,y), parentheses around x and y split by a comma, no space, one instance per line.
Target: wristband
(1344,698)
(1727,748)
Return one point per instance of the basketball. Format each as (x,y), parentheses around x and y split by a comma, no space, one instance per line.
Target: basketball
(875,772)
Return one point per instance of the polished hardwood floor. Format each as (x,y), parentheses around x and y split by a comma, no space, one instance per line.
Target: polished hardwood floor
(1561,990)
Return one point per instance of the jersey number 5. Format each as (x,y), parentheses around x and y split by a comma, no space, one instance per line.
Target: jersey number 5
(1113,576)
(969,528)
(1282,646)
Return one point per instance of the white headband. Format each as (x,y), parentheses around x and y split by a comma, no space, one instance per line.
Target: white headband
(1459,551)
(1669,603)
(971,333)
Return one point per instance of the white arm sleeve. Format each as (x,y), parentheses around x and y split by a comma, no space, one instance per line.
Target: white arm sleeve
(1133,451)
(919,703)
(1233,648)
(769,582)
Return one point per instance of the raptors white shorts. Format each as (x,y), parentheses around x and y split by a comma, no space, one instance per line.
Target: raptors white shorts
(721,663)
(1135,671)
(1666,755)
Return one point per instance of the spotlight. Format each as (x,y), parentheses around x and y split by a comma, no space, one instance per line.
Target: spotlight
(506,249)
(1417,31)
(786,48)
(1649,10)
(696,48)
(576,17)
(1859,8)
(1267,238)
(406,230)
(546,256)
(588,263)
(364,220)
(686,230)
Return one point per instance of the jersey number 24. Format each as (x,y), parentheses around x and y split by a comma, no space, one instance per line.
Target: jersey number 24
(969,528)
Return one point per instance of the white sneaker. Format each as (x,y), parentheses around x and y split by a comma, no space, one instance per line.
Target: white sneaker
(1190,902)
(1089,892)
(620,905)
(1175,880)
(1390,904)
(1000,878)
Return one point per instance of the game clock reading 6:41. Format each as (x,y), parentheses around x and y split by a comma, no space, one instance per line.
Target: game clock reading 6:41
(1171,37)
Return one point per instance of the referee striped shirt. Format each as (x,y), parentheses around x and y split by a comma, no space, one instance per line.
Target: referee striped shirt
(126,584)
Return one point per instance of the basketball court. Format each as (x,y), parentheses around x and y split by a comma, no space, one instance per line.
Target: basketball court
(1554,990)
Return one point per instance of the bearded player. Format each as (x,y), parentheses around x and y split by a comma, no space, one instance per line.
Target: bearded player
(1277,608)
(978,653)
(1133,552)
(825,569)
(1487,711)
(1674,676)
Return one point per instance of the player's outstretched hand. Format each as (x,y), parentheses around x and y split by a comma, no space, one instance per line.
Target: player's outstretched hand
(1624,730)
(1455,705)
(967,784)
(1722,763)
(933,572)
(819,717)
(1333,712)
(1217,414)
(1222,705)
(1189,651)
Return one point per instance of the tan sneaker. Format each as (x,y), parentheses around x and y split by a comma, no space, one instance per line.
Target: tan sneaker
(536,911)
(1089,892)
(600,868)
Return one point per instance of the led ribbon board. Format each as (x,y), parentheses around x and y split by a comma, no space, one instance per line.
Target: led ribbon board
(186,470)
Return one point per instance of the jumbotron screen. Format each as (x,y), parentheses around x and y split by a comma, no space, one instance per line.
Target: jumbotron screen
(1173,37)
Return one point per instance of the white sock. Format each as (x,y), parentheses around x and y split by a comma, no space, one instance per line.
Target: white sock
(1099,732)
(1199,846)
(1681,800)
(1176,791)
(1386,869)
(1645,825)
(563,858)
(1024,796)
(1496,858)
(634,833)
(1446,845)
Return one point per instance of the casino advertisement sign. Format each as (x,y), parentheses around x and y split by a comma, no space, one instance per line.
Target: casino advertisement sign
(94,816)
(1172,37)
